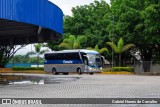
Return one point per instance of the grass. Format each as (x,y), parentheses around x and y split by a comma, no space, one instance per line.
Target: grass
(109,71)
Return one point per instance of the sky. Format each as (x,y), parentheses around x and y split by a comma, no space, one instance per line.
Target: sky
(66,6)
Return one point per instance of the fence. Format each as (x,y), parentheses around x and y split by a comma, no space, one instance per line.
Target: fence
(147,66)
(23,65)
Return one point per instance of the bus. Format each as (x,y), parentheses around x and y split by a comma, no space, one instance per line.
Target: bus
(67,61)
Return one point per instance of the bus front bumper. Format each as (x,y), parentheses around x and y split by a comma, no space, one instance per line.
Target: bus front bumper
(95,70)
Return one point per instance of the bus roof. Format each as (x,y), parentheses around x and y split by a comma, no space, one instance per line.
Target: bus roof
(76,50)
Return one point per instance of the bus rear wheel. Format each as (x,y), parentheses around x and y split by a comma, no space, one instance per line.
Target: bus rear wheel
(79,71)
(54,71)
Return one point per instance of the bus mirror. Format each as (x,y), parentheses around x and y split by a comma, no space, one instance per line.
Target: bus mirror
(103,60)
(85,60)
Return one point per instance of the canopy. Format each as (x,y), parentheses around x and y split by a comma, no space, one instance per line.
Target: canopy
(29,21)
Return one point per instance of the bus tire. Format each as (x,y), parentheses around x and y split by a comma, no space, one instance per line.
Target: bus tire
(91,73)
(65,73)
(54,71)
(79,71)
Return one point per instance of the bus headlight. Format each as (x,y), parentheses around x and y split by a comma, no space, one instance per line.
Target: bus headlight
(90,68)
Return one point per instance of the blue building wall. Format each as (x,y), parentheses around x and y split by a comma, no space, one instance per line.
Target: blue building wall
(38,12)
(21,65)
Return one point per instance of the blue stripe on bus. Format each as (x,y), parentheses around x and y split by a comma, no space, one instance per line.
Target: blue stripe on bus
(63,62)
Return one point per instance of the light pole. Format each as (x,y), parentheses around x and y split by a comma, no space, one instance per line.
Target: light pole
(112,41)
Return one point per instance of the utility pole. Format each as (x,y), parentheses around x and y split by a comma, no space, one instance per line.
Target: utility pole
(112,41)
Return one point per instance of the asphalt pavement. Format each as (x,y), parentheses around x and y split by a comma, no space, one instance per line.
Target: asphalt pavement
(83,86)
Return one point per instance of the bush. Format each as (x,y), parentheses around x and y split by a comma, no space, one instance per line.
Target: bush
(27,68)
(107,70)
(128,69)
(118,69)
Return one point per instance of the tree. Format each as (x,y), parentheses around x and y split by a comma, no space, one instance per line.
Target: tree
(150,30)
(54,45)
(37,52)
(6,53)
(120,47)
(73,42)
(35,60)
(19,59)
(137,21)
(25,59)
(90,20)
(96,48)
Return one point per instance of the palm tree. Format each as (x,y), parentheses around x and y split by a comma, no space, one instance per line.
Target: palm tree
(96,48)
(37,52)
(120,48)
(73,42)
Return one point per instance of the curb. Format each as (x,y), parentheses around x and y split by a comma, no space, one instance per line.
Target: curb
(118,73)
(147,73)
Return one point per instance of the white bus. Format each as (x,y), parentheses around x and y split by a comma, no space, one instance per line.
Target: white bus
(67,61)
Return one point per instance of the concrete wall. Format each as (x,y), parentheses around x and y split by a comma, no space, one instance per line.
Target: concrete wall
(153,67)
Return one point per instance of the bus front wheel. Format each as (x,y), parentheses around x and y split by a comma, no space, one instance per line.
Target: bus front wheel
(54,71)
(79,71)
(91,73)
(65,73)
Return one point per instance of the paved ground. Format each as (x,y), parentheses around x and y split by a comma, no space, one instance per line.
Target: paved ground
(86,86)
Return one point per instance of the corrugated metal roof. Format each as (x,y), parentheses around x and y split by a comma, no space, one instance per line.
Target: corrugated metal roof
(38,12)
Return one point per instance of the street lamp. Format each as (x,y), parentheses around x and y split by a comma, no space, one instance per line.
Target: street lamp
(112,41)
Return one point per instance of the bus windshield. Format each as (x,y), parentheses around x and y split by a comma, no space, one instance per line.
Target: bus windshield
(94,60)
